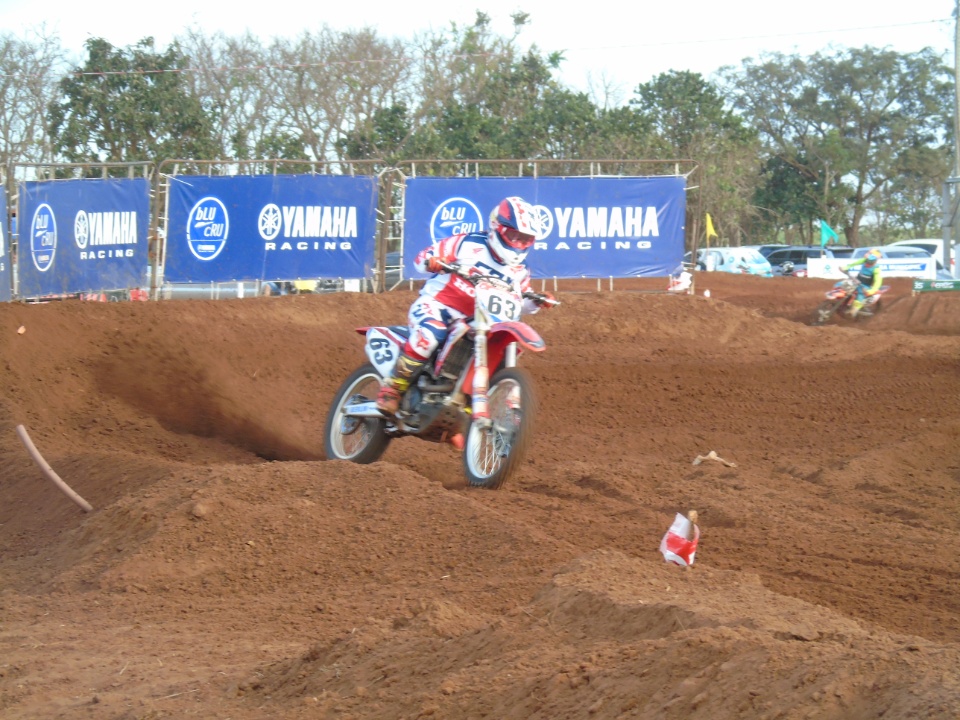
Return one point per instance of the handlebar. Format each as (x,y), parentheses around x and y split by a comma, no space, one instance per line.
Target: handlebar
(474,278)
(541,299)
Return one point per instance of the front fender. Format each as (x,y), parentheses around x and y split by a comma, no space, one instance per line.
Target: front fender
(515,331)
(499,337)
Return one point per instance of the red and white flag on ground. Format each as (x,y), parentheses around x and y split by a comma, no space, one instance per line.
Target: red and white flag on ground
(679,545)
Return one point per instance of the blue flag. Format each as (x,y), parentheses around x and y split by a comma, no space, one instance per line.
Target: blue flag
(827,234)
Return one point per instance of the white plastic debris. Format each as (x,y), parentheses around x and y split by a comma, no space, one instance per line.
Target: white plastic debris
(680,283)
(712,455)
(679,544)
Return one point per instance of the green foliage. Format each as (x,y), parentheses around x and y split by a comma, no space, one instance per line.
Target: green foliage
(483,99)
(128,105)
(282,147)
(382,138)
(862,137)
(683,108)
(845,122)
(914,200)
(784,196)
(688,117)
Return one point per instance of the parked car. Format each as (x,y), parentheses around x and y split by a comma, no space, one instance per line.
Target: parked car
(301,287)
(935,247)
(797,256)
(745,260)
(904,251)
(765,250)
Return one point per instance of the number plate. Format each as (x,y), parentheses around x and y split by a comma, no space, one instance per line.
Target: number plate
(382,351)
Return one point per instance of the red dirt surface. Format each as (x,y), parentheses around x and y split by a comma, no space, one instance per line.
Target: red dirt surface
(228,571)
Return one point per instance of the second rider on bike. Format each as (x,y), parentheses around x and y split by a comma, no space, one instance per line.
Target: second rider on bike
(869,278)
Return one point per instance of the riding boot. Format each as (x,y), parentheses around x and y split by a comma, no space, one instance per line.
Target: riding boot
(391,392)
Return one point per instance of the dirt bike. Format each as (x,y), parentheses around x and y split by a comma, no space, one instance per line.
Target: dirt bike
(455,397)
(841,296)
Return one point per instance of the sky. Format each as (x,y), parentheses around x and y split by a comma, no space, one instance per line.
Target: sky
(606,43)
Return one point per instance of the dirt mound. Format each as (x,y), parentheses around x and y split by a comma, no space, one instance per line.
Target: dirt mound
(614,636)
(227,570)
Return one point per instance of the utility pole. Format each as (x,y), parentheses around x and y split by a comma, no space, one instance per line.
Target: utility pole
(951,192)
(956,90)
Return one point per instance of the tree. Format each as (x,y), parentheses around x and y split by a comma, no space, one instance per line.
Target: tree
(29,71)
(844,121)
(684,109)
(623,132)
(482,98)
(688,117)
(331,83)
(785,199)
(915,208)
(227,79)
(382,138)
(130,105)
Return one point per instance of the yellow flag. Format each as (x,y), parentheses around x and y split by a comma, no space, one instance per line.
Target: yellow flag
(710,231)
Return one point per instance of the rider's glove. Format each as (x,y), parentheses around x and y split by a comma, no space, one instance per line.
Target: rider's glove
(434,264)
(546,301)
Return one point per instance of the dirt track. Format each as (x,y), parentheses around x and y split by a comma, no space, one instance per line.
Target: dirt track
(228,571)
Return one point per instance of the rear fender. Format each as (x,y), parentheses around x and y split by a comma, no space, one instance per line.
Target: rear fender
(875,298)
(383,346)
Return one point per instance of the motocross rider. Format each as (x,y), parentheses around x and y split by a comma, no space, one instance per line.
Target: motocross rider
(869,279)
(500,251)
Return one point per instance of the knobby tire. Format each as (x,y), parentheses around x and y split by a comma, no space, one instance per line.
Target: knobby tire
(503,446)
(369,439)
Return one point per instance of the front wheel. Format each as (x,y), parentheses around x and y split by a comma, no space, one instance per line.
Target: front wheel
(359,440)
(825,311)
(492,453)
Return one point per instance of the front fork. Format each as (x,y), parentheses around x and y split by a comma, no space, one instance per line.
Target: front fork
(481,380)
(481,376)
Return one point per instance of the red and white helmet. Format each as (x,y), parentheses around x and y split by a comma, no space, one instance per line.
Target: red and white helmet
(513,230)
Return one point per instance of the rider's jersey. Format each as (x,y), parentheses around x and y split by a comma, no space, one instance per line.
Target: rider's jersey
(470,251)
(870,278)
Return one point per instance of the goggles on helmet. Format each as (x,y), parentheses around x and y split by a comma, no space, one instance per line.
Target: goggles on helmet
(516,239)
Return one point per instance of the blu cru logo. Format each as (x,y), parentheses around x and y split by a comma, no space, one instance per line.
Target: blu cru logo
(207,228)
(455,216)
(43,237)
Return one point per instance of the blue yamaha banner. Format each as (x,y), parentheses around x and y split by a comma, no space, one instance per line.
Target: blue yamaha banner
(270,227)
(5,291)
(82,235)
(590,227)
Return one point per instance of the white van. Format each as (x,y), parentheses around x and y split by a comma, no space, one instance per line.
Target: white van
(934,246)
(745,260)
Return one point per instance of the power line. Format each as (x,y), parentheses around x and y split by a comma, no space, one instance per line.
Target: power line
(465,56)
(740,38)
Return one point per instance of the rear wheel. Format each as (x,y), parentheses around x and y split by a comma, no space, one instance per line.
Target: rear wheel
(870,310)
(359,440)
(491,454)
